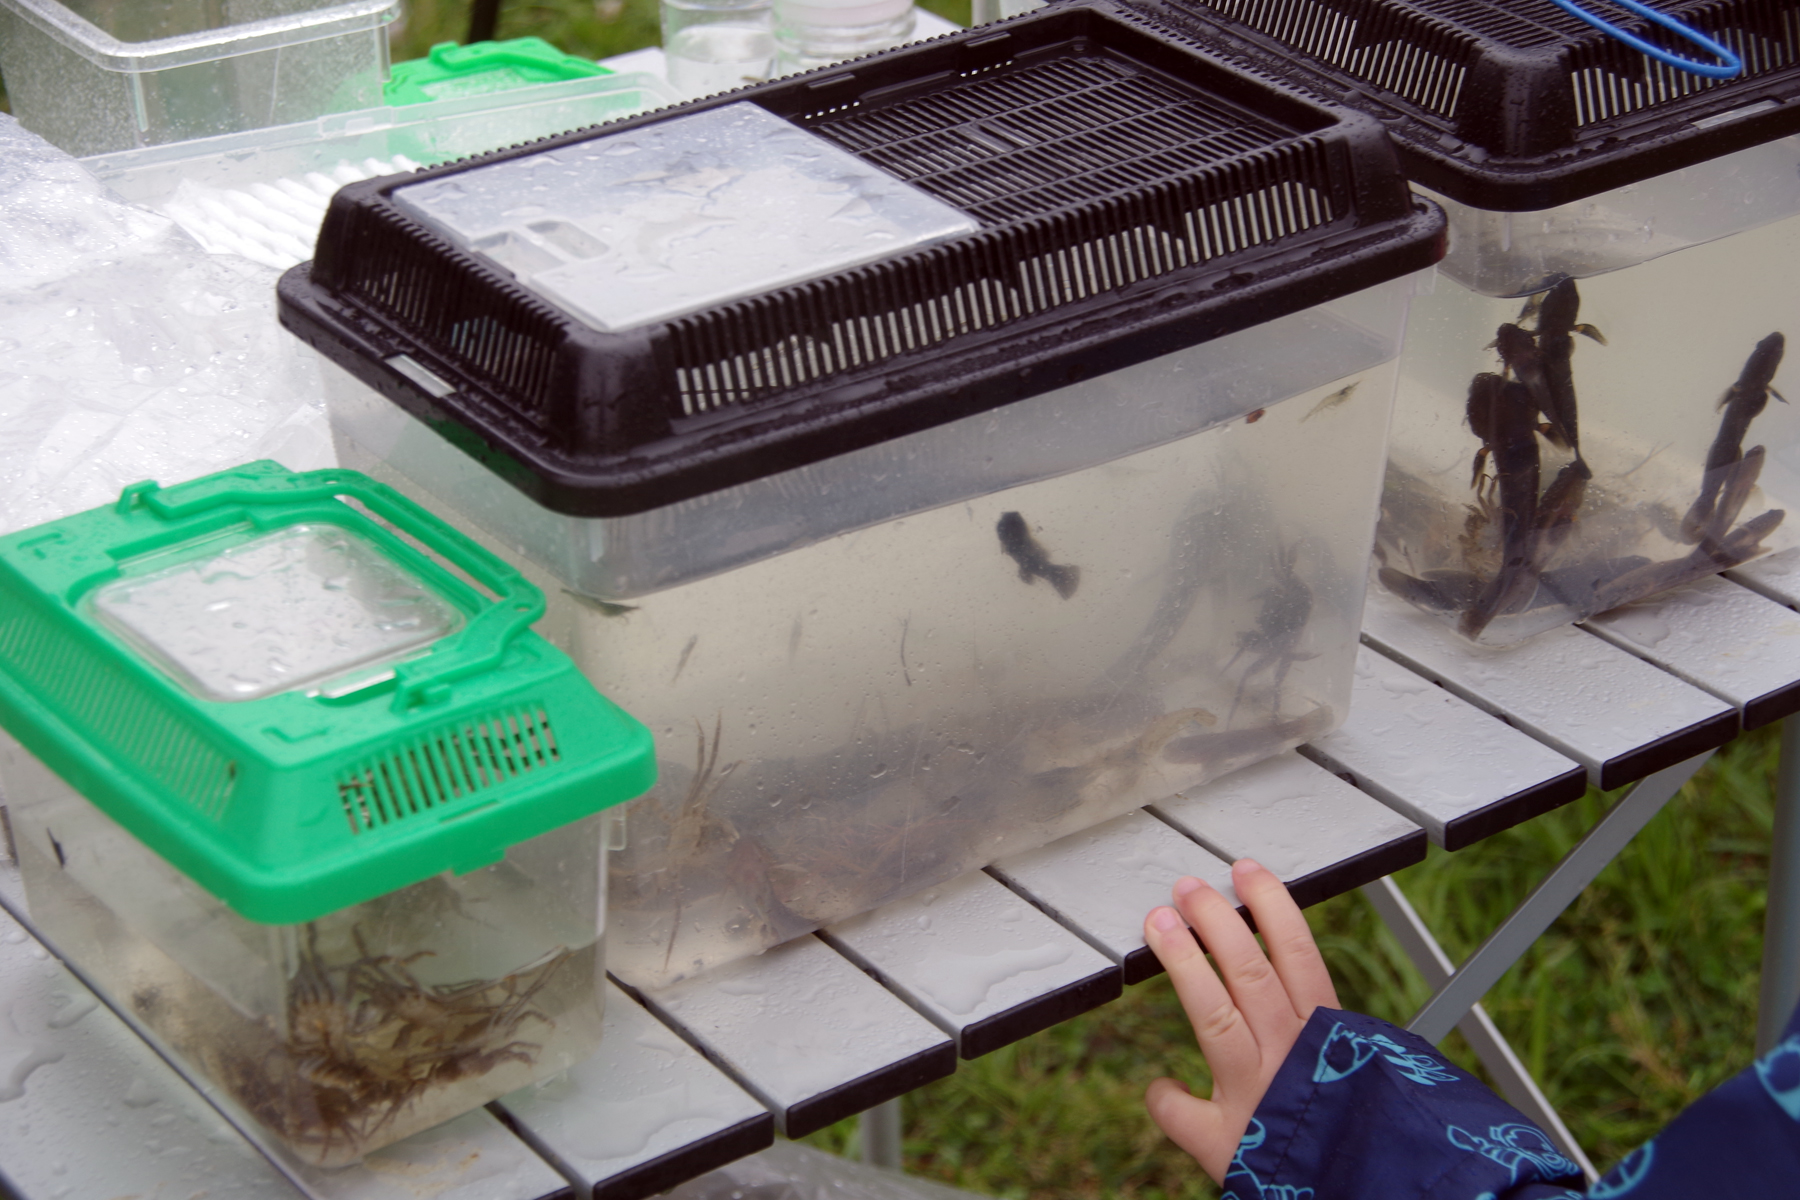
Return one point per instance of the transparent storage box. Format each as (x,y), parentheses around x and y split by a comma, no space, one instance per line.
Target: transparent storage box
(1584,415)
(297,790)
(979,500)
(97,75)
(262,193)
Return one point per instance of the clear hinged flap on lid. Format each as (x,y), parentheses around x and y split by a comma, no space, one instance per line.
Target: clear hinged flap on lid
(295,607)
(667,219)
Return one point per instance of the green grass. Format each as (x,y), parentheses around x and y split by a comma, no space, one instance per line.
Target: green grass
(1639,1000)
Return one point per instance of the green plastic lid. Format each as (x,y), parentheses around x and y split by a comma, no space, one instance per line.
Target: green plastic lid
(450,70)
(303,690)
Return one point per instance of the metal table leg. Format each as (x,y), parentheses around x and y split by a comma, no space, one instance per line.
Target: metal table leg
(1489,1044)
(1781,926)
(1547,901)
(879,1130)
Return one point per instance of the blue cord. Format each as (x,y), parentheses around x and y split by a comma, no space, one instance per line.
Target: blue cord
(1729,63)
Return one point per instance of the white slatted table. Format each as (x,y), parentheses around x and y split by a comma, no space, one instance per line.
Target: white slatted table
(1444,742)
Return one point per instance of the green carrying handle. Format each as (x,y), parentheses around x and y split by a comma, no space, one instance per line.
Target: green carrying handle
(476,649)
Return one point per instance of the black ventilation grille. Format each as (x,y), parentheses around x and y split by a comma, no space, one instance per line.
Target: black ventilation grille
(1050,136)
(1520,81)
(740,353)
(503,337)
(445,766)
(1022,145)
(1612,80)
(1131,192)
(1401,49)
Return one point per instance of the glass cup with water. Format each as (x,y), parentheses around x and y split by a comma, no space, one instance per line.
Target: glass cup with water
(716,45)
(817,33)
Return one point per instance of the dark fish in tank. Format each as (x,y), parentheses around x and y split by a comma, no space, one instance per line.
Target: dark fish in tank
(1742,403)
(1484,398)
(1524,362)
(1034,561)
(1560,502)
(1515,450)
(1556,311)
(1440,591)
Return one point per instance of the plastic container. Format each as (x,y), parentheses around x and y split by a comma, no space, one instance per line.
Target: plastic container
(817,33)
(983,12)
(450,71)
(715,45)
(1592,194)
(296,787)
(932,557)
(261,194)
(99,75)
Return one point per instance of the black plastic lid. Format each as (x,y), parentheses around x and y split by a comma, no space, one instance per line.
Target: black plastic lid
(1515,105)
(1135,197)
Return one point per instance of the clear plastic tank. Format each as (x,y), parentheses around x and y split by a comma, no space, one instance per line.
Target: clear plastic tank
(1690,456)
(934,467)
(344,1033)
(261,193)
(99,75)
(322,817)
(872,674)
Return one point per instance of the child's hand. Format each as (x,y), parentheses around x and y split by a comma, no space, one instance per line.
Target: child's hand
(1247,1024)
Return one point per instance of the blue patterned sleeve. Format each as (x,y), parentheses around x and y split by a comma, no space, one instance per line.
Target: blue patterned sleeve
(1742,1139)
(1362,1110)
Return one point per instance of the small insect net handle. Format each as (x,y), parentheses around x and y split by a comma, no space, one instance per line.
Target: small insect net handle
(1729,64)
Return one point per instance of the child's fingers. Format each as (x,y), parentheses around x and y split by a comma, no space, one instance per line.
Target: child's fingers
(1225,1039)
(1196,1125)
(1292,950)
(1255,988)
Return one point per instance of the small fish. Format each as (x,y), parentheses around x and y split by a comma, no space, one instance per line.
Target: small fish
(1556,310)
(605,608)
(1516,463)
(1560,502)
(1439,591)
(1742,403)
(1648,580)
(1745,542)
(1740,480)
(1576,585)
(1034,561)
(1519,354)
(1332,401)
(1709,558)
(1484,396)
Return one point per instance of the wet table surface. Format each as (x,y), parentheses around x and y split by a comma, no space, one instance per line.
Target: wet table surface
(1445,743)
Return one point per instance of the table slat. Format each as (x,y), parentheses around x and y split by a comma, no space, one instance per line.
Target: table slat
(1777,577)
(1102,882)
(1620,717)
(1318,834)
(979,962)
(645,1113)
(807,1032)
(1438,760)
(1720,637)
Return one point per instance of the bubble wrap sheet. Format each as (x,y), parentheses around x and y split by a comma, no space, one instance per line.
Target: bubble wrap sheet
(126,351)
